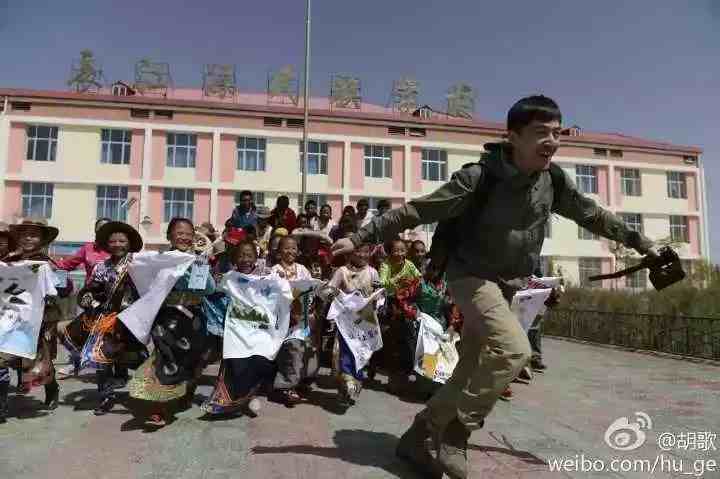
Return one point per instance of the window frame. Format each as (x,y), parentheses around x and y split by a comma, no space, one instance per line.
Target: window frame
(377,156)
(258,198)
(47,198)
(586,235)
(637,280)
(319,156)
(584,272)
(441,162)
(633,225)
(169,204)
(106,150)
(679,182)
(682,228)
(242,149)
(585,178)
(32,140)
(631,185)
(104,203)
(172,148)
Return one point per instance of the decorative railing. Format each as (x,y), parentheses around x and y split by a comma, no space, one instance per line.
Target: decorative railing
(685,335)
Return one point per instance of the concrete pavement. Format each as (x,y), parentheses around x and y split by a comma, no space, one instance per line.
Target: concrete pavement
(563,414)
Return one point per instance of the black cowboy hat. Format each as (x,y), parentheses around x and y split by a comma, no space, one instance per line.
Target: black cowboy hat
(49,233)
(103,235)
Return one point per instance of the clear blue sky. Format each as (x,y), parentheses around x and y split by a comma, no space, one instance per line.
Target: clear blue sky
(648,67)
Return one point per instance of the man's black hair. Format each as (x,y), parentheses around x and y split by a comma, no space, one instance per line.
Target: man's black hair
(531,108)
(246,193)
(310,202)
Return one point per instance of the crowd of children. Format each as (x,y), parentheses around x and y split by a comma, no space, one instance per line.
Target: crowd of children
(188,330)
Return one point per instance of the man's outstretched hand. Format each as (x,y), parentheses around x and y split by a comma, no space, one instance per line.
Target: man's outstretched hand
(342,246)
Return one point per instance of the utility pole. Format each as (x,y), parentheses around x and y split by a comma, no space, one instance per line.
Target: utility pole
(306,107)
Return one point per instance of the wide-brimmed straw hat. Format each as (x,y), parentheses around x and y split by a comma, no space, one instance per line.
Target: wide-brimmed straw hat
(103,235)
(49,233)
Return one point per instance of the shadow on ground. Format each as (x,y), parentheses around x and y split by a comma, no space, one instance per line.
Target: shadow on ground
(355,446)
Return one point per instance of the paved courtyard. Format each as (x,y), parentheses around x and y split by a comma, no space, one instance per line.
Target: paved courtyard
(563,414)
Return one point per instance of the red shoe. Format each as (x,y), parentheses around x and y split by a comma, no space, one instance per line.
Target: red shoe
(156,419)
(507,394)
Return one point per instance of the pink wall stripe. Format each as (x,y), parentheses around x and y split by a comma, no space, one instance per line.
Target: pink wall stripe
(335,202)
(137,145)
(17,148)
(691,179)
(228,158)
(159,155)
(416,167)
(201,207)
(606,267)
(694,234)
(603,184)
(226,203)
(156,210)
(134,211)
(357,167)
(335,165)
(618,190)
(398,168)
(203,160)
(12,204)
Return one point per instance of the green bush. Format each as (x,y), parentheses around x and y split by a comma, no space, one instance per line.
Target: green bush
(698,295)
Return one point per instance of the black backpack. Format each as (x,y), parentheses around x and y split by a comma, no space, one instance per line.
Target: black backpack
(447,232)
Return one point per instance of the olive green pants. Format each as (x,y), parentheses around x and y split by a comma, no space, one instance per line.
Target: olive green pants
(493,351)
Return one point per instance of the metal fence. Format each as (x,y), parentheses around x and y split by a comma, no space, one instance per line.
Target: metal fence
(686,335)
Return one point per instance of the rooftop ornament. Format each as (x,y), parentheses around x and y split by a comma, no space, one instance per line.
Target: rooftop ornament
(152,77)
(461,101)
(283,87)
(219,80)
(85,76)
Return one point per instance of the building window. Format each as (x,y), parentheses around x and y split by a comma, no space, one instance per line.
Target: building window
(37,200)
(378,161)
(589,267)
(676,185)
(636,280)
(585,234)
(111,202)
(679,229)
(630,182)
(41,143)
(616,153)
(318,199)
(586,178)
(251,154)
(434,165)
(258,198)
(181,150)
(178,203)
(602,152)
(317,158)
(115,147)
(633,221)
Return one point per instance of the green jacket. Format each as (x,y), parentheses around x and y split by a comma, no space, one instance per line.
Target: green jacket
(502,231)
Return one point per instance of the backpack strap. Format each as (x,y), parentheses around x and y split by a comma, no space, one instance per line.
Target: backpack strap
(557,176)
